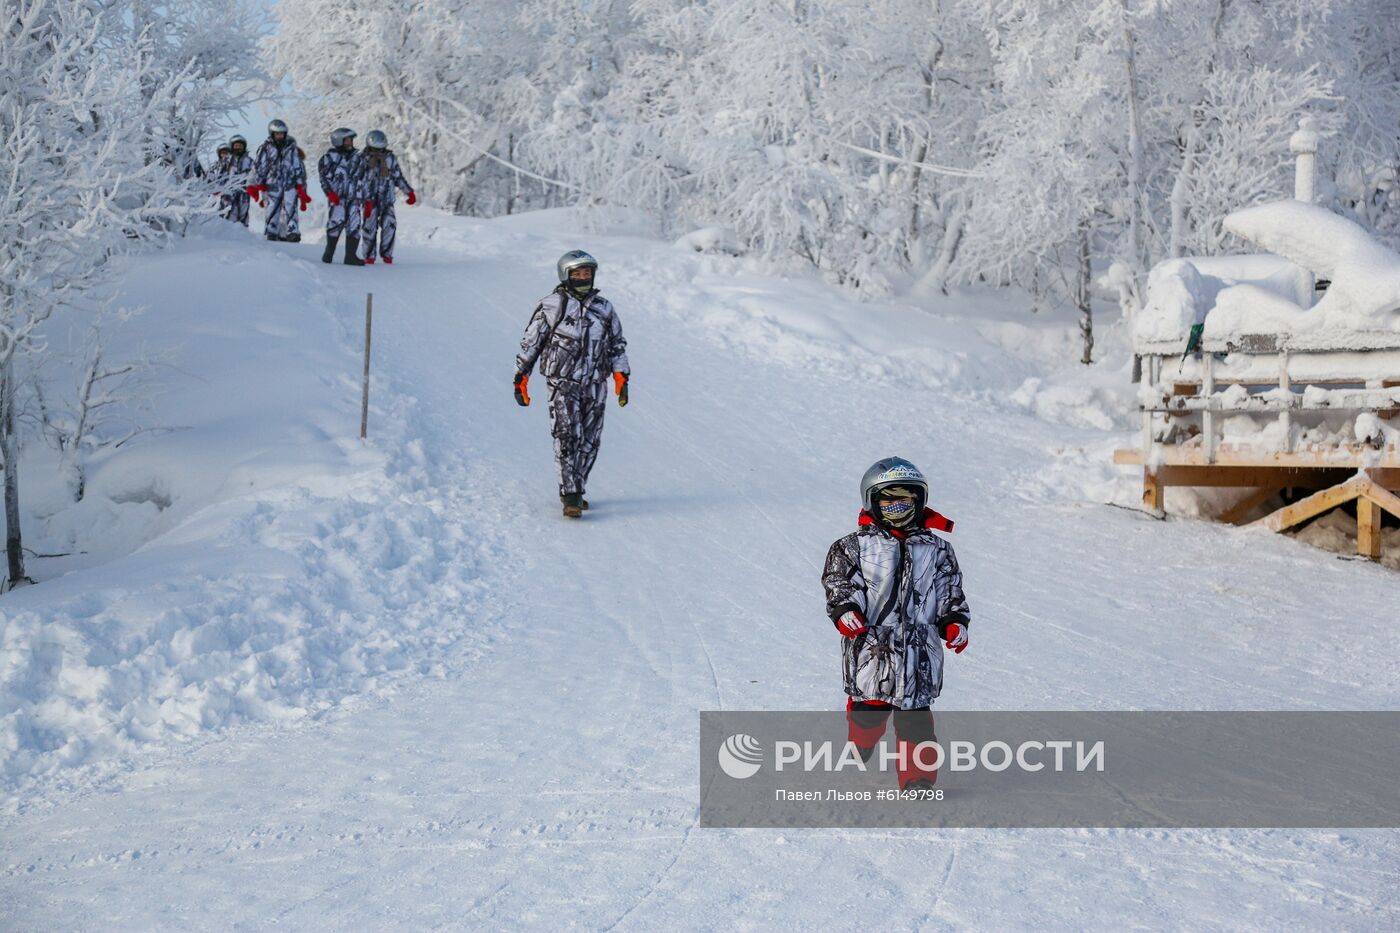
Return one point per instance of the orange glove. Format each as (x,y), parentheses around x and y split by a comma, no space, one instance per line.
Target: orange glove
(522,389)
(620,381)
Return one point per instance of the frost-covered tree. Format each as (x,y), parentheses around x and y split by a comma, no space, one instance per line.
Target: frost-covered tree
(1062,153)
(809,128)
(887,142)
(82,109)
(443,78)
(213,43)
(1135,127)
(97,402)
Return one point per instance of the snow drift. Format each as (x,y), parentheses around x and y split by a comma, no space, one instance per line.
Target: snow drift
(1272,293)
(255,563)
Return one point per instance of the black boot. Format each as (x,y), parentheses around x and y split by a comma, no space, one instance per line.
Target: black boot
(352,251)
(331,242)
(582,502)
(573,505)
(292,238)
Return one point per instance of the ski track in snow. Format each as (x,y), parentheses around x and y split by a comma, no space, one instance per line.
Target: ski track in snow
(545,774)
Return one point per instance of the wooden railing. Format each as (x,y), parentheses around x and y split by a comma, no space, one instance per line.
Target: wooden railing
(1256,376)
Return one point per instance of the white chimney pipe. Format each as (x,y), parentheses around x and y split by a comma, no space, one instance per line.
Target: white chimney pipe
(1303,143)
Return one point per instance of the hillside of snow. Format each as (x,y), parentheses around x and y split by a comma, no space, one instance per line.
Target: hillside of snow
(301,679)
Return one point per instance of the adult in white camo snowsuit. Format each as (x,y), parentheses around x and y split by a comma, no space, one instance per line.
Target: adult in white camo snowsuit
(343,211)
(895,593)
(576,337)
(238,178)
(379,179)
(279,175)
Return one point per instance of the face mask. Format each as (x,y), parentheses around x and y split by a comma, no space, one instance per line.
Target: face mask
(897,512)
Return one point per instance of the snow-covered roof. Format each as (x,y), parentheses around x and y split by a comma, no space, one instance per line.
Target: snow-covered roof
(1365,275)
(1183,292)
(1270,294)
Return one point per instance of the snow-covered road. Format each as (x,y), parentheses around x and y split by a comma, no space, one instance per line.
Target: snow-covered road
(548,777)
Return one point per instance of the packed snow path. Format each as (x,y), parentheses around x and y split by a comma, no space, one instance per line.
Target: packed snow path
(550,775)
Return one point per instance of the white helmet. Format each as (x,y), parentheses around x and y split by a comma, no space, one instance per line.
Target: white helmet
(891,471)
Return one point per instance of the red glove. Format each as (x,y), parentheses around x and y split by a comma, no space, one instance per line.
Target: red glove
(303,197)
(851,623)
(255,192)
(369,209)
(412,197)
(333,198)
(957,637)
(522,389)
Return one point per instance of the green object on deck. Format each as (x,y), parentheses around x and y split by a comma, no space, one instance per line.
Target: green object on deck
(1193,343)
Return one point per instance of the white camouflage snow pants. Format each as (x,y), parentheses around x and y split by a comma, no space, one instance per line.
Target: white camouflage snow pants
(346,217)
(281,213)
(576,412)
(378,233)
(238,206)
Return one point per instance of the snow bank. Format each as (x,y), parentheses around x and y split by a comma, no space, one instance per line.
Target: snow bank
(1365,276)
(257,563)
(1182,292)
(711,240)
(1178,296)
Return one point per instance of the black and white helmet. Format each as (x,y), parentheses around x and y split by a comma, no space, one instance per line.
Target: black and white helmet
(575,259)
(891,471)
(276,126)
(377,140)
(339,136)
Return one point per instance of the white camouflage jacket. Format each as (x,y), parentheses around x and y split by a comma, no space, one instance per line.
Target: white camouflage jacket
(909,589)
(573,341)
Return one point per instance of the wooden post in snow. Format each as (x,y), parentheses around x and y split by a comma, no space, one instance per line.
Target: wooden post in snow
(364,398)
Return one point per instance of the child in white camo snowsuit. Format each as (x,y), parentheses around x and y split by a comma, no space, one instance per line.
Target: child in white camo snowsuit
(279,172)
(576,336)
(894,592)
(378,176)
(343,213)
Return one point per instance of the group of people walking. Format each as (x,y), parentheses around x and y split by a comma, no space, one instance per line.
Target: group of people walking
(893,587)
(360,185)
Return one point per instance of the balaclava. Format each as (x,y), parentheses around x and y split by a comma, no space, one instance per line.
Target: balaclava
(900,513)
(580,290)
